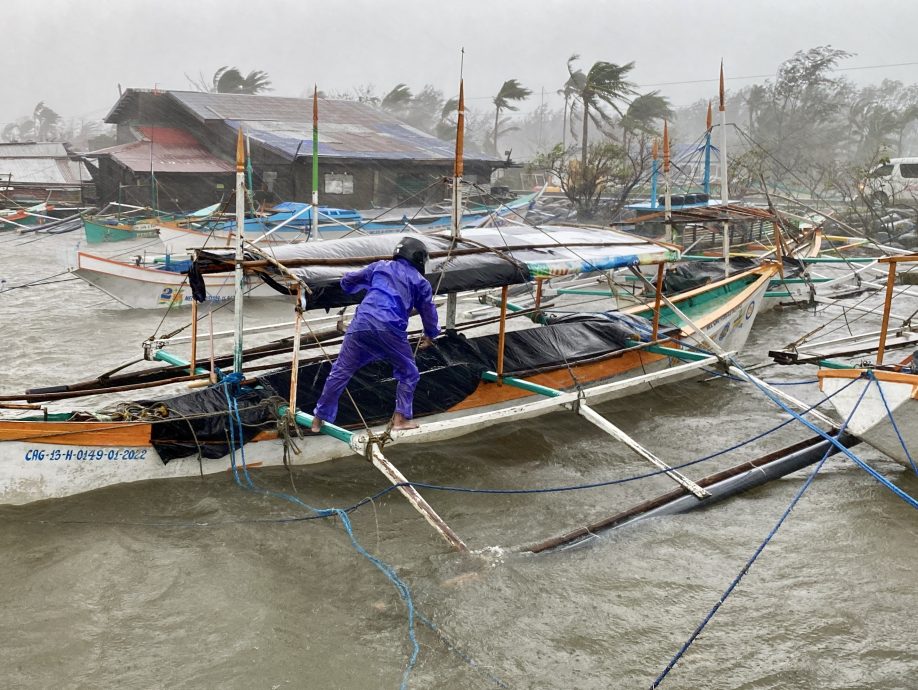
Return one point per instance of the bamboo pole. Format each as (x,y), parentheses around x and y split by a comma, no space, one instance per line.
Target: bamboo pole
(239,238)
(501,335)
(295,363)
(724,191)
(656,304)
(390,471)
(194,336)
(887,306)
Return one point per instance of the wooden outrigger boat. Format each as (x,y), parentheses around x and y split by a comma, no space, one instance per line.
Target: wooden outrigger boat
(468,384)
(478,374)
(160,284)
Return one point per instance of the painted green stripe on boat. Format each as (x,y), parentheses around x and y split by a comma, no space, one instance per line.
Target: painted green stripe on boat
(685,355)
(777,293)
(831,364)
(328,429)
(520,383)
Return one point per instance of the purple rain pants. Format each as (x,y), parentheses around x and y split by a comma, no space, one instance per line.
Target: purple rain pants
(361,347)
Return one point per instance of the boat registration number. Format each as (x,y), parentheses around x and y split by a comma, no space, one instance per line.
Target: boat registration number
(84,455)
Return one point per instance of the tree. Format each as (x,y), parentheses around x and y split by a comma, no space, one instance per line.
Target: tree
(603,86)
(398,100)
(46,122)
(230,80)
(510,91)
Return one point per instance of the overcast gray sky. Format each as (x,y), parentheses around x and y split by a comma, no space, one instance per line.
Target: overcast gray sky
(72,54)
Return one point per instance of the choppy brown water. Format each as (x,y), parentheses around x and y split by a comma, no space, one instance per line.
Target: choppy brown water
(196,583)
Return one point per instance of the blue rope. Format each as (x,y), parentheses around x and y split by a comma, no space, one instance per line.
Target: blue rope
(404,592)
(745,569)
(892,419)
(804,382)
(854,458)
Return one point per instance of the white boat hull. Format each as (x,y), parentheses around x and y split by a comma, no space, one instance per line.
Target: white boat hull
(140,287)
(871,422)
(37,461)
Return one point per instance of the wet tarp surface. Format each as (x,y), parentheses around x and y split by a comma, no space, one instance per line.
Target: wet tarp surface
(503,256)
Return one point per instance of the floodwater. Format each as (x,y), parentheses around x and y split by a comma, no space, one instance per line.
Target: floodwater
(198,583)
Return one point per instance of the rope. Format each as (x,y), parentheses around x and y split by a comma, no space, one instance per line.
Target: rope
(745,569)
(230,384)
(870,375)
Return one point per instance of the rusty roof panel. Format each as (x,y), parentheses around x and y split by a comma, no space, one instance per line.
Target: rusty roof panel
(40,149)
(347,129)
(43,170)
(166,158)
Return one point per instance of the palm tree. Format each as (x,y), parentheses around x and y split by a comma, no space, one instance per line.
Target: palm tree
(46,121)
(398,99)
(230,80)
(604,85)
(644,111)
(511,90)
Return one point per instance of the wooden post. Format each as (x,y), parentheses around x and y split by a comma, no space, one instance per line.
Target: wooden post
(295,365)
(887,305)
(538,295)
(501,336)
(194,337)
(656,305)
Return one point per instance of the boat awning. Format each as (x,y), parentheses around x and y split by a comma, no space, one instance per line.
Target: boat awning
(483,258)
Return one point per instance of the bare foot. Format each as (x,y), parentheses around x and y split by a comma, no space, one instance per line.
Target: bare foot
(401,423)
(316,425)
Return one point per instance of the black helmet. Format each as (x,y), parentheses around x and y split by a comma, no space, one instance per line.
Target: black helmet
(412,250)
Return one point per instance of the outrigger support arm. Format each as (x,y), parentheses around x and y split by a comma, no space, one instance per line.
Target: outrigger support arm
(370,449)
(592,416)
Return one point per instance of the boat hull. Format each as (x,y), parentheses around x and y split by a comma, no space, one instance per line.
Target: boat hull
(97,233)
(870,421)
(141,287)
(51,459)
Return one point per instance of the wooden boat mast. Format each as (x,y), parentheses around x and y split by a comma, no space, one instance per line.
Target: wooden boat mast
(457,197)
(667,191)
(709,126)
(314,229)
(724,190)
(240,236)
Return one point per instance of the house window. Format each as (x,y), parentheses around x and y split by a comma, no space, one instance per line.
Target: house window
(339,184)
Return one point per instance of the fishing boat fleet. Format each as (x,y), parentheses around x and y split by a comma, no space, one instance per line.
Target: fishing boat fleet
(538,318)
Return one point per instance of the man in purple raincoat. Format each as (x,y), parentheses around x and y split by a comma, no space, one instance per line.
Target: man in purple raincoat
(379,329)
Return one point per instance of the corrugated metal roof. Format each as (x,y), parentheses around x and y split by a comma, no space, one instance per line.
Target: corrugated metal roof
(40,149)
(347,129)
(43,170)
(172,158)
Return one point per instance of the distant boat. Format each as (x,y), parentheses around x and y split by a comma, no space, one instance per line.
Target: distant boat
(132,222)
(286,222)
(438,218)
(157,284)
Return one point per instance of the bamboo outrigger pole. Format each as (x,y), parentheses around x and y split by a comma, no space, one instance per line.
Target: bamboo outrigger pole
(240,237)
(724,190)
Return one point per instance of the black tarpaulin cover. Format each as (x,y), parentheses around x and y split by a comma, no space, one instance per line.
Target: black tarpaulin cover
(450,372)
